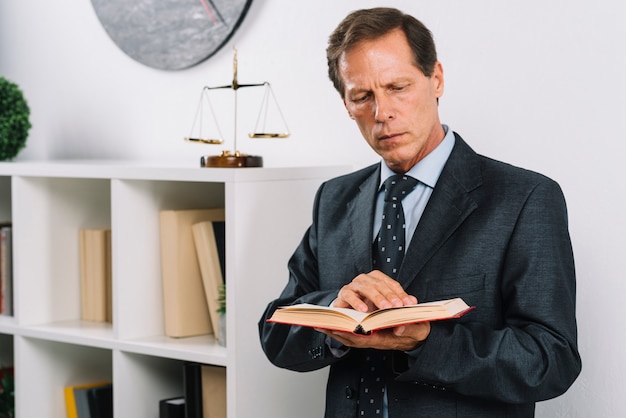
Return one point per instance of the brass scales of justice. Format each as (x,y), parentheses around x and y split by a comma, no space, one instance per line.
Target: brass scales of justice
(234,158)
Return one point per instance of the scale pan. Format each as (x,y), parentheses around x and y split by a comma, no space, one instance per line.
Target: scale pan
(205,140)
(268,135)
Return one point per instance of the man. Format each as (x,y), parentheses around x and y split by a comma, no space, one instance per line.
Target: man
(476,228)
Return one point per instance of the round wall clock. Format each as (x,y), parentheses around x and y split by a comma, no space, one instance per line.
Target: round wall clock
(170,34)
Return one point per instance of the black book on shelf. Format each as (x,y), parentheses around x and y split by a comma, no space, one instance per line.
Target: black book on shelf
(193,389)
(100,401)
(219,229)
(172,407)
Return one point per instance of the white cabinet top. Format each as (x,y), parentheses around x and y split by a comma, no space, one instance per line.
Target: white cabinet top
(140,170)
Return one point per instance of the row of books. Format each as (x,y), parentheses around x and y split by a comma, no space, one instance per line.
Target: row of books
(95,272)
(92,400)
(193,269)
(204,394)
(6,268)
(192,244)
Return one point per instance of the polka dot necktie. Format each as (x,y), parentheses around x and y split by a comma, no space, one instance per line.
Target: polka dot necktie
(388,252)
(389,244)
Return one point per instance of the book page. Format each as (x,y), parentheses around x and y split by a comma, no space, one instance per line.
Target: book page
(310,308)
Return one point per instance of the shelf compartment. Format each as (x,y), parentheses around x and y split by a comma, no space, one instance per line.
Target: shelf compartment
(137,281)
(145,378)
(44,368)
(49,214)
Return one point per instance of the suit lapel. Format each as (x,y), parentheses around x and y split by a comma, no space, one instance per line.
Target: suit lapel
(448,207)
(360,212)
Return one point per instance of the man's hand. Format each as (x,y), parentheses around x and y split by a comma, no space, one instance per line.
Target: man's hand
(372,291)
(403,338)
(375,290)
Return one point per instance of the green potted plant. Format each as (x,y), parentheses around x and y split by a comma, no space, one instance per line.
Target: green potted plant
(14,120)
(222,312)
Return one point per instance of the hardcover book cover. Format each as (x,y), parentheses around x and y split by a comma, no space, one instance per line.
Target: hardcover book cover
(95,275)
(207,237)
(184,302)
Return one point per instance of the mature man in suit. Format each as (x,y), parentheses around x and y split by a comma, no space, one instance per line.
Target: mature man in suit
(488,232)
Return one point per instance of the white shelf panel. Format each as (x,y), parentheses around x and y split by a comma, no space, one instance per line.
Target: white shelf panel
(87,333)
(8,325)
(148,170)
(201,349)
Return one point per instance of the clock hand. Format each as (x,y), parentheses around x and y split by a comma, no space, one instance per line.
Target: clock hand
(215,17)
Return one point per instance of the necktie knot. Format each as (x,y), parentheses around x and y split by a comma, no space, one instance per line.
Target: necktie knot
(398,186)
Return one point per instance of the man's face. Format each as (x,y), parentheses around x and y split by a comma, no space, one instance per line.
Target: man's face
(393,103)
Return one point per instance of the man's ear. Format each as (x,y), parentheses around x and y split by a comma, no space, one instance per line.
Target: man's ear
(437,79)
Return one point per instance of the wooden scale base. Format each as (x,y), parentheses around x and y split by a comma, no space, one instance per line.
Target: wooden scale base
(228,159)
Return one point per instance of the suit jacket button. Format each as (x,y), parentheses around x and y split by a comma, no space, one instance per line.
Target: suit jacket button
(349,392)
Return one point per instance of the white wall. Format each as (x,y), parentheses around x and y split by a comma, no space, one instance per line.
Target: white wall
(536,83)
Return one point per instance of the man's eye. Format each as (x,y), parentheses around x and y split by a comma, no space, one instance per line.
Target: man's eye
(360,99)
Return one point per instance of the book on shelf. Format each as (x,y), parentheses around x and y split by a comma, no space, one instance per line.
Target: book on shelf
(172,407)
(185,308)
(100,401)
(213,391)
(192,385)
(205,390)
(6,269)
(209,239)
(351,320)
(78,404)
(95,274)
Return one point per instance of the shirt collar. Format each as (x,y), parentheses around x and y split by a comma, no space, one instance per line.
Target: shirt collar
(429,168)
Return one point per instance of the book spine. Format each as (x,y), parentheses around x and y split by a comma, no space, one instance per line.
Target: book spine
(82,405)
(213,391)
(207,235)
(70,403)
(6,270)
(100,401)
(193,389)
(172,407)
(95,270)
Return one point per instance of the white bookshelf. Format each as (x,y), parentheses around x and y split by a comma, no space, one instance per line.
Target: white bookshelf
(267,211)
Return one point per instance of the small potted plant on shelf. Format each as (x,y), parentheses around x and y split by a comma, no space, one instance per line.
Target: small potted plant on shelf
(7,393)
(222,312)
(14,120)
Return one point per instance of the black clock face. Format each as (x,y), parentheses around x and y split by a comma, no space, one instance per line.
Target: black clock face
(170,34)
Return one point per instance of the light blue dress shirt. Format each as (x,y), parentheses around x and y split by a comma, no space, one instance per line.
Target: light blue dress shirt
(427,171)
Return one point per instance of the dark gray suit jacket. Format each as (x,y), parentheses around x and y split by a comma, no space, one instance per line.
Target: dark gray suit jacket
(493,234)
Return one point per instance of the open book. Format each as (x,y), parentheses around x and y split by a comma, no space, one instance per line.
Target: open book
(350,320)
